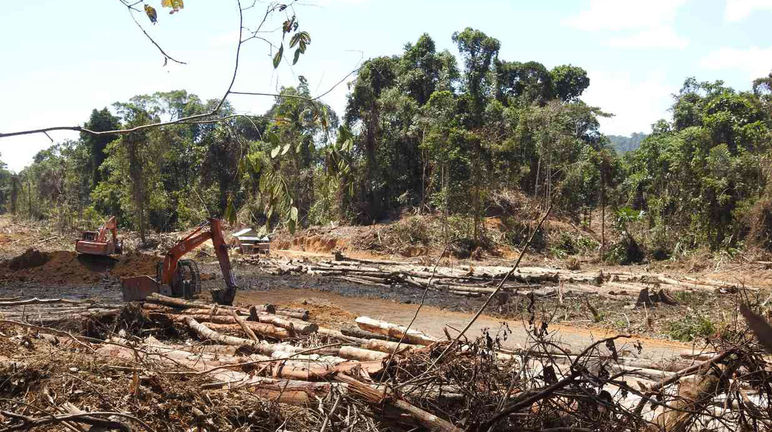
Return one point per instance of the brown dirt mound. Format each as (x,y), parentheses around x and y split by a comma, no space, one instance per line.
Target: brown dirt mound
(323,312)
(69,268)
(29,259)
(311,243)
(135,264)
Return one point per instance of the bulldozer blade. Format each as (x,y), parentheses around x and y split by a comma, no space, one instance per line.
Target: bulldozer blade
(139,287)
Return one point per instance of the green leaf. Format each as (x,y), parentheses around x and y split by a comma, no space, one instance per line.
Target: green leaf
(295,39)
(277,57)
(230,211)
(255,165)
(324,117)
(297,56)
(275,152)
(272,138)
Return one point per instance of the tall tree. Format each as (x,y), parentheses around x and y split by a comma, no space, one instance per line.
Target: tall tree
(569,82)
(478,51)
(100,120)
(363,111)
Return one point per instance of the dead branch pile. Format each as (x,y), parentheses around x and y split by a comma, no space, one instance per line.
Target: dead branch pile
(171,364)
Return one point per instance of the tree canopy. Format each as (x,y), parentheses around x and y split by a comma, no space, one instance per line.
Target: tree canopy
(424,133)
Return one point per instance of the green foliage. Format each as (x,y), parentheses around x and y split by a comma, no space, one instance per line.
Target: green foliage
(572,244)
(7,184)
(624,144)
(421,133)
(569,82)
(696,175)
(690,327)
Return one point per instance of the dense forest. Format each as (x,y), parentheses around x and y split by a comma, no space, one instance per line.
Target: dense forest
(422,132)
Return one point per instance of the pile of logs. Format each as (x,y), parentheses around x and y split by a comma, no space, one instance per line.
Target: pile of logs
(282,355)
(53,311)
(475,281)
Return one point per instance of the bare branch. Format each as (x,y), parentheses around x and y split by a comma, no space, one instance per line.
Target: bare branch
(131,8)
(208,117)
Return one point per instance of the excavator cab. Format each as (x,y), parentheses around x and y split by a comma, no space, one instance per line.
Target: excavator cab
(97,242)
(178,277)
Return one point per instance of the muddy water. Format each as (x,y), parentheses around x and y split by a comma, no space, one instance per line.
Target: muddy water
(433,320)
(398,304)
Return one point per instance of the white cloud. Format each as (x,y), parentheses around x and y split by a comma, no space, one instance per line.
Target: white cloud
(737,10)
(661,37)
(625,15)
(755,62)
(633,24)
(636,103)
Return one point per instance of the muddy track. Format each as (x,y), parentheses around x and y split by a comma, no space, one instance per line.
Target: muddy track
(396,304)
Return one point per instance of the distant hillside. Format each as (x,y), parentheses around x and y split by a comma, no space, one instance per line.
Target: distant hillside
(624,144)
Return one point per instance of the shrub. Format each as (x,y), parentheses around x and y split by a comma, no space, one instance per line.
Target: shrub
(517,233)
(625,251)
(691,327)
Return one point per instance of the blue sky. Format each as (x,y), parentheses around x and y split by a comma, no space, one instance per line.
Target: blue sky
(61,59)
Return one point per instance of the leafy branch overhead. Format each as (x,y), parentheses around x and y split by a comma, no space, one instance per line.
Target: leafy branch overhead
(152,14)
(299,39)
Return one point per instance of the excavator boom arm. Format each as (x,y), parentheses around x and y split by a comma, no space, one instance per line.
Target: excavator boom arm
(193,240)
(110,226)
(138,288)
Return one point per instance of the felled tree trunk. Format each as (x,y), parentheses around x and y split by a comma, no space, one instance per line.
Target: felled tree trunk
(394,331)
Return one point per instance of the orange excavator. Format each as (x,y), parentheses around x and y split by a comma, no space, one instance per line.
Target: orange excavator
(96,242)
(178,277)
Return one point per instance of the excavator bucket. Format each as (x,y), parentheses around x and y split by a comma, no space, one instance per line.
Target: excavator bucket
(139,287)
(223,296)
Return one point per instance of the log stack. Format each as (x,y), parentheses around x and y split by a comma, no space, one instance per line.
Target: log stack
(476,281)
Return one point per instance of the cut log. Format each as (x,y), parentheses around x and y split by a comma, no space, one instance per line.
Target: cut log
(300,314)
(363,334)
(354,353)
(39,301)
(173,301)
(291,324)
(385,346)
(394,331)
(388,346)
(207,333)
(265,330)
(244,326)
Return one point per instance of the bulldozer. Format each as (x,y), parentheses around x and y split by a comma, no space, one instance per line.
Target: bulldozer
(97,243)
(177,277)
